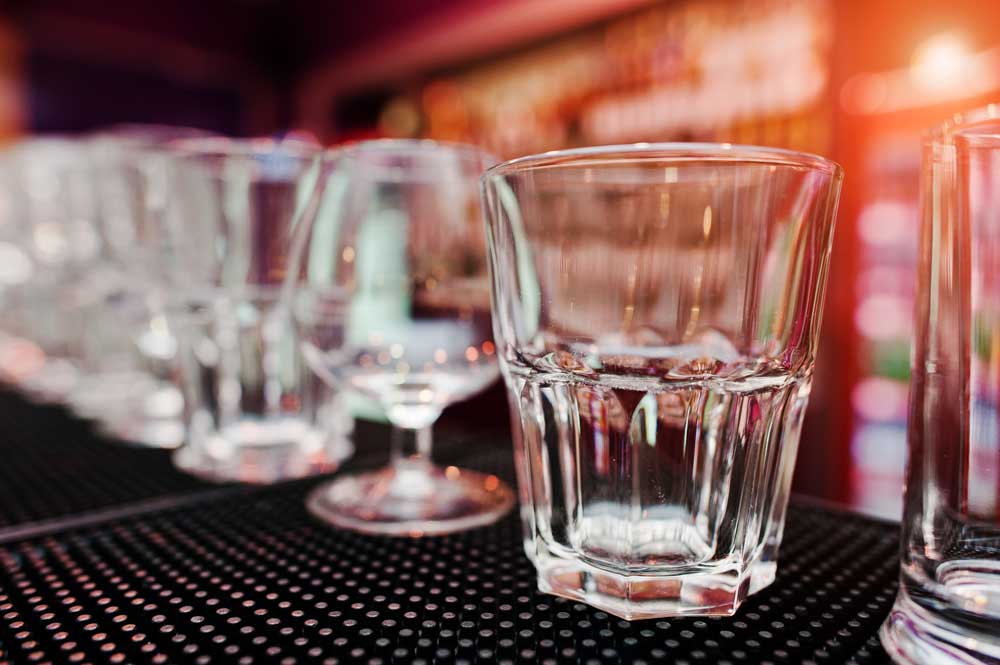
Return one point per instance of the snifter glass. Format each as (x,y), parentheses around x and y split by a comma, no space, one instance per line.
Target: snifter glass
(656,312)
(948,607)
(392,303)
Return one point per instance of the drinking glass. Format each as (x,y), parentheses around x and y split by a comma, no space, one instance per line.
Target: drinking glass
(50,248)
(948,607)
(253,410)
(656,314)
(129,163)
(20,357)
(128,388)
(392,302)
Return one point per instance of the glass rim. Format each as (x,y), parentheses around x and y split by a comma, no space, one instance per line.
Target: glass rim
(464,155)
(412,147)
(148,134)
(208,147)
(63,149)
(962,125)
(607,155)
(61,141)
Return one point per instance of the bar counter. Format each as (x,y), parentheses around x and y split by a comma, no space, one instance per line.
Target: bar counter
(109,555)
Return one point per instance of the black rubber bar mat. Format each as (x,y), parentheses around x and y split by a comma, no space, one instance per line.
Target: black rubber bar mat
(251,577)
(54,465)
(186,571)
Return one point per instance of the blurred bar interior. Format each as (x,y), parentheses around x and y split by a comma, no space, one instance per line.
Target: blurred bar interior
(855,80)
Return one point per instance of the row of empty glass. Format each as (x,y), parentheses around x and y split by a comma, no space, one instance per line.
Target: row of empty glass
(654,310)
(152,281)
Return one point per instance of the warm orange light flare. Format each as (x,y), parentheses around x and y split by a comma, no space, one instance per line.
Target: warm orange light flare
(940,63)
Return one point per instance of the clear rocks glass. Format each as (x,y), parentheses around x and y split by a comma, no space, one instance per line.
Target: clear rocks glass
(254,412)
(656,312)
(948,607)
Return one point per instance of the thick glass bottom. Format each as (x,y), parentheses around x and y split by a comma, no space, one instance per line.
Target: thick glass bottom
(412,499)
(713,591)
(51,381)
(132,407)
(263,452)
(917,635)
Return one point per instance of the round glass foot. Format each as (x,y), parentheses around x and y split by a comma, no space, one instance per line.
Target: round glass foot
(412,499)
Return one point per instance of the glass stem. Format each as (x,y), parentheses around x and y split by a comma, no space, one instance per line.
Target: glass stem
(411,446)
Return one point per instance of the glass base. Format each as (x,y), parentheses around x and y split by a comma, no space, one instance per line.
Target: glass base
(914,635)
(165,434)
(50,382)
(412,499)
(223,459)
(133,407)
(630,596)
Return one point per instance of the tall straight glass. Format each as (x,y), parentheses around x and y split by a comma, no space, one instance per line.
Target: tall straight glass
(392,302)
(656,314)
(948,608)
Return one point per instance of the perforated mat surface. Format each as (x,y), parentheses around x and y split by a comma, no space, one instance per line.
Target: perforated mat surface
(53,465)
(248,576)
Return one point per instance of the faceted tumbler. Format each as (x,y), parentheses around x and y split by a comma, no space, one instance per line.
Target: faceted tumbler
(254,412)
(948,607)
(656,311)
